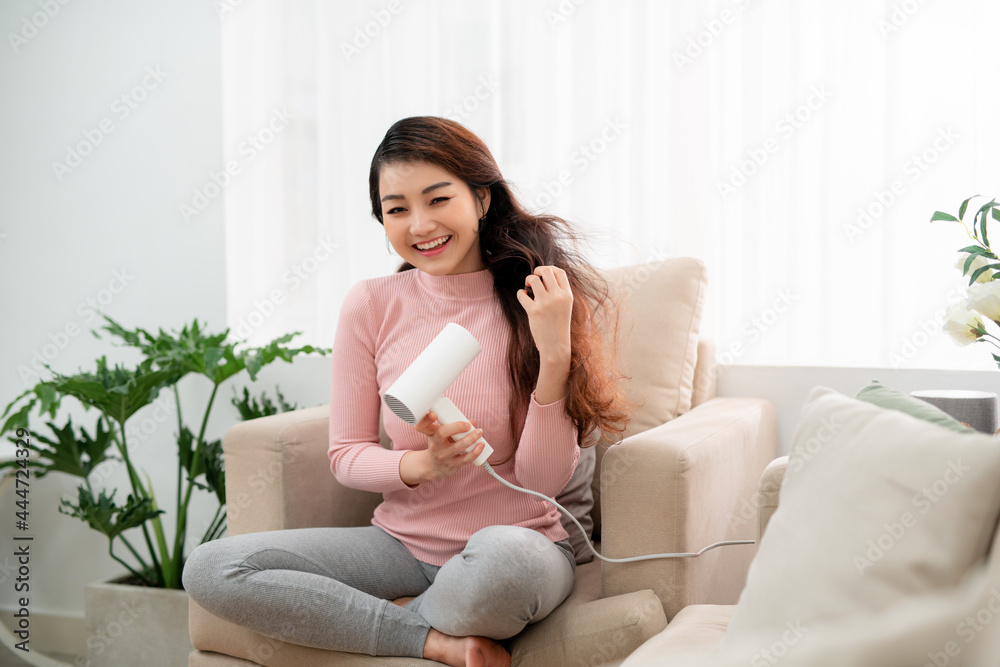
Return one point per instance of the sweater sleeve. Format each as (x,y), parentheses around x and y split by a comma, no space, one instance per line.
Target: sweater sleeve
(357,459)
(547,453)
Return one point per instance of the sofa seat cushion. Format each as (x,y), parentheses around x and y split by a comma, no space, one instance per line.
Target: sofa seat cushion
(582,627)
(695,632)
(876,506)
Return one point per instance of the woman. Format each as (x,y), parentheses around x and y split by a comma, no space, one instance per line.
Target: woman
(464,560)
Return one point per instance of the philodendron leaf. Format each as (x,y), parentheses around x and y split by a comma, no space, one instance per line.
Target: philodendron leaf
(185,447)
(249,408)
(104,516)
(256,358)
(186,351)
(43,394)
(117,392)
(215,469)
(68,453)
(207,462)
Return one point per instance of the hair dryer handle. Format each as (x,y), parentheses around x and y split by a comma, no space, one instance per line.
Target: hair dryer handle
(448,413)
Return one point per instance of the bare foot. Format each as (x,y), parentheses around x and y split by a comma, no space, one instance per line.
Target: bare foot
(465,651)
(484,652)
(401,602)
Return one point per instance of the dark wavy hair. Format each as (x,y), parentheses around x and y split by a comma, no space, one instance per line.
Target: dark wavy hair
(513,242)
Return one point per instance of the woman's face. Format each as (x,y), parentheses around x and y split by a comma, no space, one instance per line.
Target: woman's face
(424,205)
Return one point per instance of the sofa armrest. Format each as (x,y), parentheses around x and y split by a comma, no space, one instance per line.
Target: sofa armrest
(769,488)
(278,476)
(680,487)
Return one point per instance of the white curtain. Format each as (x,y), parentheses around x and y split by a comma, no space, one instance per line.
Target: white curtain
(798,148)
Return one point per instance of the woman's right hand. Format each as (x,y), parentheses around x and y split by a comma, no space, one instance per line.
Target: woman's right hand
(444,455)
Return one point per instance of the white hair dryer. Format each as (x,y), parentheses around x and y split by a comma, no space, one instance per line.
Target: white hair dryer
(420,387)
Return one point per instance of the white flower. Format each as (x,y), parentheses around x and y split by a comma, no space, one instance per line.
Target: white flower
(985,298)
(977,262)
(963,325)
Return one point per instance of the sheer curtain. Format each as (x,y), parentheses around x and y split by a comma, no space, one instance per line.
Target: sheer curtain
(797,148)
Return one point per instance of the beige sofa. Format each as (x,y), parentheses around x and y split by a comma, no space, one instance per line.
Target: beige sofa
(698,629)
(884,552)
(681,479)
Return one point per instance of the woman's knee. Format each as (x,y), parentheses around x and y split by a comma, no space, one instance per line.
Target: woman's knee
(509,578)
(206,566)
(513,552)
(198,568)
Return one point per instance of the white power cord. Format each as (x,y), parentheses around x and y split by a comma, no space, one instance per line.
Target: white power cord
(487,468)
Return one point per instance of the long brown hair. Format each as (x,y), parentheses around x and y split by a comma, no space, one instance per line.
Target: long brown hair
(512,243)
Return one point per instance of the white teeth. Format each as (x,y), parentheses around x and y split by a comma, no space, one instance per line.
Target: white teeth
(432,244)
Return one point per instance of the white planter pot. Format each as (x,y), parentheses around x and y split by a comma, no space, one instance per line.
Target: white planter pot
(136,625)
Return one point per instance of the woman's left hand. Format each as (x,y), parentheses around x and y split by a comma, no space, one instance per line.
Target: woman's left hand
(549,308)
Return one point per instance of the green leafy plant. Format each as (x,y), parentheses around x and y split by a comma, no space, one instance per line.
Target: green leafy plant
(967,321)
(118,393)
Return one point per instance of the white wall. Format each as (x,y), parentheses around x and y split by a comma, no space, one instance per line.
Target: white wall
(787,387)
(108,231)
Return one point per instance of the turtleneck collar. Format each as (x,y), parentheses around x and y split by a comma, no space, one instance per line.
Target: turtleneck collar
(459,287)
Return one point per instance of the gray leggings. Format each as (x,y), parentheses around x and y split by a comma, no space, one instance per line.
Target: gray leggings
(330,588)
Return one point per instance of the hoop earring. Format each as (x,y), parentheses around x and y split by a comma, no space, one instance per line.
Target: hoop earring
(388,247)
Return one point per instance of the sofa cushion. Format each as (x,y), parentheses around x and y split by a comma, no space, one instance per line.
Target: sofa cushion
(876,506)
(953,627)
(588,629)
(661,306)
(583,626)
(878,394)
(695,632)
(578,497)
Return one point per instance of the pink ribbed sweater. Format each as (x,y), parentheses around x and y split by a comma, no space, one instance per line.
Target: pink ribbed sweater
(384,324)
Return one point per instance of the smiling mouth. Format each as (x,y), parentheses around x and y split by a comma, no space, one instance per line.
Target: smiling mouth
(432,245)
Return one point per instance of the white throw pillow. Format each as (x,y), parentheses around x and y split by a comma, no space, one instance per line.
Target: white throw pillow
(876,506)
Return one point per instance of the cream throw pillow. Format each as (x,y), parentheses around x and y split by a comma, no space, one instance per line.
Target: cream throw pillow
(662,304)
(876,506)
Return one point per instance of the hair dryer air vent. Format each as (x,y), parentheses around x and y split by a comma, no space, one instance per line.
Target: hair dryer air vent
(413,393)
(399,409)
